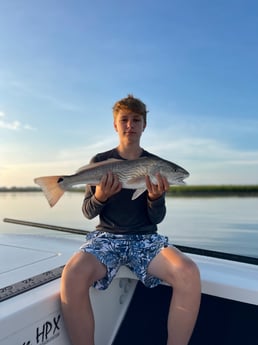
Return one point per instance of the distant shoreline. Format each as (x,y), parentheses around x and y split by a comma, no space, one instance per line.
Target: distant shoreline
(214,190)
(176,191)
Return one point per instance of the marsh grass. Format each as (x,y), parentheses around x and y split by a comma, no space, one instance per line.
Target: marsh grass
(180,191)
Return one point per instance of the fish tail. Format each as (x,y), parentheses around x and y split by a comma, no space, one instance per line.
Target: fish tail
(51,188)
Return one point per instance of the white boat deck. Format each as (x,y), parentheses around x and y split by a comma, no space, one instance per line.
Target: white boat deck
(29,259)
(24,256)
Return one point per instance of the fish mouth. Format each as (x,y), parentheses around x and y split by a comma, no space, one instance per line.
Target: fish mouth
(180,179)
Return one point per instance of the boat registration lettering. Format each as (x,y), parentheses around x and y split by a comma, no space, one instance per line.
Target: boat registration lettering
(46,332)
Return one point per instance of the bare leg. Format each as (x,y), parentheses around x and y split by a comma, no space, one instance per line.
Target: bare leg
(79,274)
(182,274)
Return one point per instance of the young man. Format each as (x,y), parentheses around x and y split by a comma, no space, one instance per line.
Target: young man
(133,224)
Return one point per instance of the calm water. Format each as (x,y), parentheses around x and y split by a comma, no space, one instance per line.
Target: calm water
(223,224)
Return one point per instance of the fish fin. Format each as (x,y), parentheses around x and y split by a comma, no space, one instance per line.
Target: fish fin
(138,180)
(178,183)
(92,165)
(138,192)
(51,188)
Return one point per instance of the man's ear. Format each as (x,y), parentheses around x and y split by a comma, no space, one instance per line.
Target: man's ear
(115,126)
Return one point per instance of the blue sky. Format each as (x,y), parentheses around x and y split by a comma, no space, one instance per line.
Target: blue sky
(64,63)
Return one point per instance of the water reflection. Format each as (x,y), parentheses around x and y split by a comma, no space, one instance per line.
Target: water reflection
(221,224)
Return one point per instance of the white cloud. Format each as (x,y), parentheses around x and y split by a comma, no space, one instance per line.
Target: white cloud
(198,149)
(29,127)
(13,125)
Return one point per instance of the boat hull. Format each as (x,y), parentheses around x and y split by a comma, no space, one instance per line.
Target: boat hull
(34,317)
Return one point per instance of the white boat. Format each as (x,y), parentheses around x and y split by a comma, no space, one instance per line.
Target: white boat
(127,312)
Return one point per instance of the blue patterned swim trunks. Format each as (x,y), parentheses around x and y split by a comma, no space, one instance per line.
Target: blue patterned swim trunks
(134,251)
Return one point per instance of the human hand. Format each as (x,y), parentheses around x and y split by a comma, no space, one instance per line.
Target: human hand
(155,191)
(108,186)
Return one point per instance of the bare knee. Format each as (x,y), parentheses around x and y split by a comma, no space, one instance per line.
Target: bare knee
(186,274)
(80,272)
